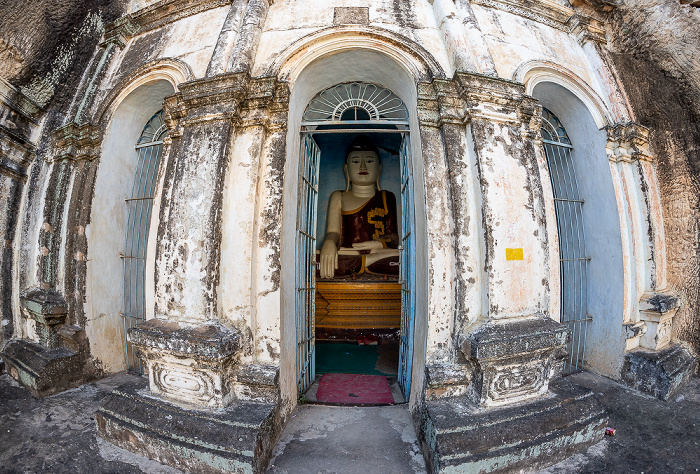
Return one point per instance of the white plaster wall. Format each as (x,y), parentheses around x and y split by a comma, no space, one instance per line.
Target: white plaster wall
(514,40)
(193,39)
(288,22)
(190,40)
(238,208)
(354,65)
(106,231)
(606,275)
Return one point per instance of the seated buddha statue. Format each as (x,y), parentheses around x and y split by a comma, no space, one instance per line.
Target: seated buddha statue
(362,229)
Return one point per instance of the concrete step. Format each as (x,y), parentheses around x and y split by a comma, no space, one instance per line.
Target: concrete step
(238,438)
(460,437)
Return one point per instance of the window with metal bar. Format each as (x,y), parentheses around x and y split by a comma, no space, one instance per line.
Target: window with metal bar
(149,149)
(573,257)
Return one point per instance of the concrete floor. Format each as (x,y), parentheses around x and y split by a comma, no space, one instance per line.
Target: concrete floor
(57,435)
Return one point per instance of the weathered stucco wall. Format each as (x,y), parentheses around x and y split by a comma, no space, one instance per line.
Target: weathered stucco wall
(45,46)
(654,46)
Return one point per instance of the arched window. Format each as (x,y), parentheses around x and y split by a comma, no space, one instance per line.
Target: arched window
(572,243)
(149,148)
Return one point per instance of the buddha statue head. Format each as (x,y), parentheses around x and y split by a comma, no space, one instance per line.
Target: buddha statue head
(362,165)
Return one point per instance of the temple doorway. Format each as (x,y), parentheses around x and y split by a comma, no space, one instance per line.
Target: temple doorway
(355,263)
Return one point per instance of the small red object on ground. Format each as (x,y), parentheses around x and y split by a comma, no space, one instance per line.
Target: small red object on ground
(610,431)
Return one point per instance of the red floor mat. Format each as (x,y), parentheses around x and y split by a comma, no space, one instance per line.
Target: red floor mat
(354,389)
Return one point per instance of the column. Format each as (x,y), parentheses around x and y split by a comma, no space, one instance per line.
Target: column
(515,346)
(190,355)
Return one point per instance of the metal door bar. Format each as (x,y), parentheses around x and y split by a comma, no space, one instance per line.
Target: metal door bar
(306,264)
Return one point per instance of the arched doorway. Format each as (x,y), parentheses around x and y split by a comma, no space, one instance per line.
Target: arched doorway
(573,257)
(149,148)
(366,298)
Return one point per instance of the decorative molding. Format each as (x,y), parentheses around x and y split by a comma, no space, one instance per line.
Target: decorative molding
(551,13)
(586,29)
(476,96)
(15,157)
(19,117)
(119,32)
(247,102)
(76,142)
(154,16)
(547,12)
(13,99)
(627,143)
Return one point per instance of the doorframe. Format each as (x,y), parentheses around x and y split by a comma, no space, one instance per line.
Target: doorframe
(407,307)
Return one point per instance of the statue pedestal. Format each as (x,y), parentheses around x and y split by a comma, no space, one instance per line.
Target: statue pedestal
(358,305)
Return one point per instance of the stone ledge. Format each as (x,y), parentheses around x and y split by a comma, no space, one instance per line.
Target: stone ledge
(239,438)
(658,373)
(43,371)
(458,436)
(211,341)
(509,338)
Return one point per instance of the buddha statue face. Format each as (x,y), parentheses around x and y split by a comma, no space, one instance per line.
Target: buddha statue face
(363,167)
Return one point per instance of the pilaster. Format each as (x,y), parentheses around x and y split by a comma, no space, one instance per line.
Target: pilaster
(504,348)
(653,363)
(196,356)
(206,120)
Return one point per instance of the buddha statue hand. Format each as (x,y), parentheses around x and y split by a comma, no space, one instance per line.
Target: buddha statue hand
(329,259)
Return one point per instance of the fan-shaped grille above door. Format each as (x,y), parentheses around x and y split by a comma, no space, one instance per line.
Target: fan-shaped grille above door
(355,102)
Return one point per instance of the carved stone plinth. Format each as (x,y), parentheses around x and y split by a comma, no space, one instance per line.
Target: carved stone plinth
(51,361)
(45,312)
(656,311)
(459,436)
(514,360)
(43,371)
(191,366)
(658,373)
(238,438)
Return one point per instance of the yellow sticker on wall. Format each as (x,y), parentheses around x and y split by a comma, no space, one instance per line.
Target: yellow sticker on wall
(514,254)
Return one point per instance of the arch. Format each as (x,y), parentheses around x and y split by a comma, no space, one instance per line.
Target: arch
(171,70)
(607,277)
(323,65)
(125,118)
(412,57)
(534,72)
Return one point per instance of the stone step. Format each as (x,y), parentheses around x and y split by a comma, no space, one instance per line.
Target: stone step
(659,373)
(238,438)
(43,371)
(460,437)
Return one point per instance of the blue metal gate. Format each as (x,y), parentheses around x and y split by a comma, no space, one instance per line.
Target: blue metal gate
(306,263)
(149,148)
(408,272)
(572,242)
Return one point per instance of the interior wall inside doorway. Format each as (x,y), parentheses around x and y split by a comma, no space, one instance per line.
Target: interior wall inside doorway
(107,229)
